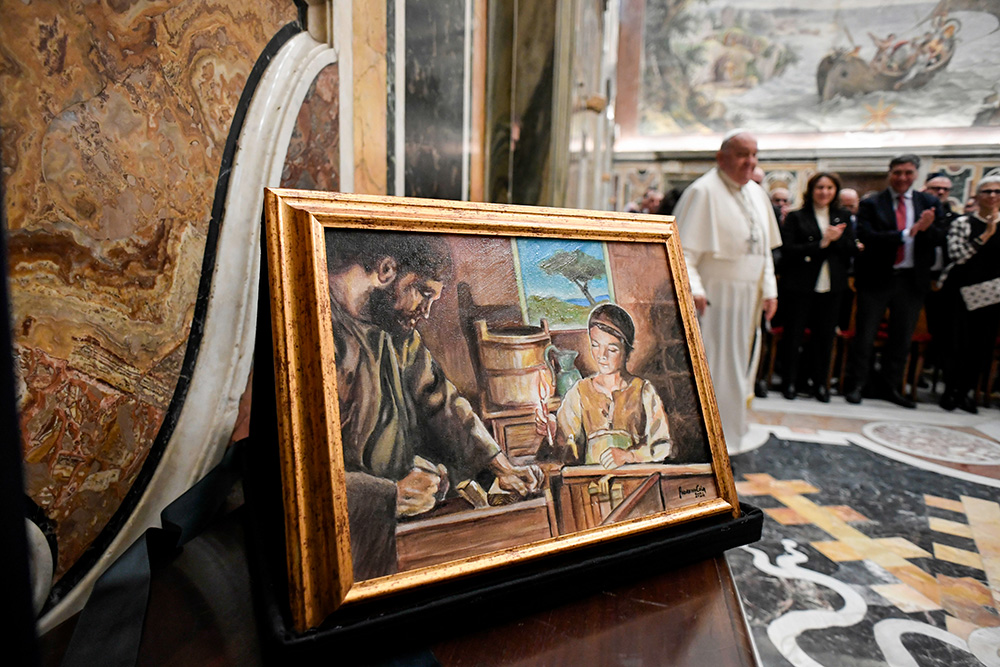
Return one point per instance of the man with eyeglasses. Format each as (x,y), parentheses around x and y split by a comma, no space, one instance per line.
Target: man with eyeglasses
(900,229)
(939,185)
(781,200)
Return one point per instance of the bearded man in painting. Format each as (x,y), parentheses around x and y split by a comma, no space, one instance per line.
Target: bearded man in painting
(408,436)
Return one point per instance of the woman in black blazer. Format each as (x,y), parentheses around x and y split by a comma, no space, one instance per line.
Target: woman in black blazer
(817,244)
(972,292)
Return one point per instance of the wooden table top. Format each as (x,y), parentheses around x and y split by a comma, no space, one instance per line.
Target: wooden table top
(201,612)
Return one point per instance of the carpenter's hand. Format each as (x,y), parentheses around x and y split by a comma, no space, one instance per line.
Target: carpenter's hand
(614,457)
(545,424)
(417,492)
(522,479)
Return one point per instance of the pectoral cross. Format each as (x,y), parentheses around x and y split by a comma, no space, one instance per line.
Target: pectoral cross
(753,241)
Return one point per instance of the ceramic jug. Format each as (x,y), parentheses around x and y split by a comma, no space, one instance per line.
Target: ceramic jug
(565,373)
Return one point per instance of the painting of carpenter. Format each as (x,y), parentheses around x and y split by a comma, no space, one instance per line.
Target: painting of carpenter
(467,431)
(561,280)
(815,66)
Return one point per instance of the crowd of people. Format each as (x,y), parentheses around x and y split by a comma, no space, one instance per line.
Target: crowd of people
(753,256)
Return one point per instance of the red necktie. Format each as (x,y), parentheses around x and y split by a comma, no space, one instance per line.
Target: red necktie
(901,225)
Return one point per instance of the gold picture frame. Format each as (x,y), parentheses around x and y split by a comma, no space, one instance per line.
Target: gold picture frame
(662,464)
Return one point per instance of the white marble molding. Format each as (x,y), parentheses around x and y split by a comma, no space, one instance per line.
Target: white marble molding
(220,375)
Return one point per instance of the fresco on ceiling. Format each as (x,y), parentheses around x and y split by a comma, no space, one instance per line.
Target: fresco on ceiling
(812,66)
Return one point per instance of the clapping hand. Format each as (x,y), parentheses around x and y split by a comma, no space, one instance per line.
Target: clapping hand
(925,220)
(832,234)
(991,228)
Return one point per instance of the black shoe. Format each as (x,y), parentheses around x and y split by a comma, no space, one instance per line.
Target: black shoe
(788,391)
(968,404)
(821,394)
(902,401)
(948,401)
(760,388)
(853,396)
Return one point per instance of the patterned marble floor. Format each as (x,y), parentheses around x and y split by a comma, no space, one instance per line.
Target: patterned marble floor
(881,541)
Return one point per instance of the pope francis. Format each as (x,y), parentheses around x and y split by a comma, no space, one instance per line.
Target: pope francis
(728,229)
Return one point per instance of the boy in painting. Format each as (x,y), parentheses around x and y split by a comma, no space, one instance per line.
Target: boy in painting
(613,416)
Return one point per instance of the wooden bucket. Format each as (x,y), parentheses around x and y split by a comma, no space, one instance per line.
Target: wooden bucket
(513,361)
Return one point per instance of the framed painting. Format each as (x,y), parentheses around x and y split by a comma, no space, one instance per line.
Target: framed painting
(433,430)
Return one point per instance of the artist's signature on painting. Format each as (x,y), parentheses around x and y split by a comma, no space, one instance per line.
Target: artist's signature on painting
(698,491)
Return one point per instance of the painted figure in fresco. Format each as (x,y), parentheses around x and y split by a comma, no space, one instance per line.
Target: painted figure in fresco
(728,230)
(884,49)
(611,418)
(899,63)
(408,436)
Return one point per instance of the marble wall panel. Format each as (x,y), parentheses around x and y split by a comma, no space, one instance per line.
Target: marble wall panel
(519,101)
(434,98)
(313,158)
(115,117)
(369,52)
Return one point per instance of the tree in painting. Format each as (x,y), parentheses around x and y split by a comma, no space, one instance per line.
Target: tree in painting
(577,267)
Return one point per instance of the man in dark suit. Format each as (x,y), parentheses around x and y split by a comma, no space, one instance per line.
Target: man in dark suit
(900,229)
(935,306)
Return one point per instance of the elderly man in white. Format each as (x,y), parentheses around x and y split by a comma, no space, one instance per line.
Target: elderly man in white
(728,229)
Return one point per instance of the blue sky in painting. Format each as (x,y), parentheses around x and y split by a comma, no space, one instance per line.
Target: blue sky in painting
(539,283)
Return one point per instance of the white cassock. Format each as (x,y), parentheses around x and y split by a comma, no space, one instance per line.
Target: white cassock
(727,233)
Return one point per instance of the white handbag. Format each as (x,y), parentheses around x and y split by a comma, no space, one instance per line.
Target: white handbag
(981,294)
